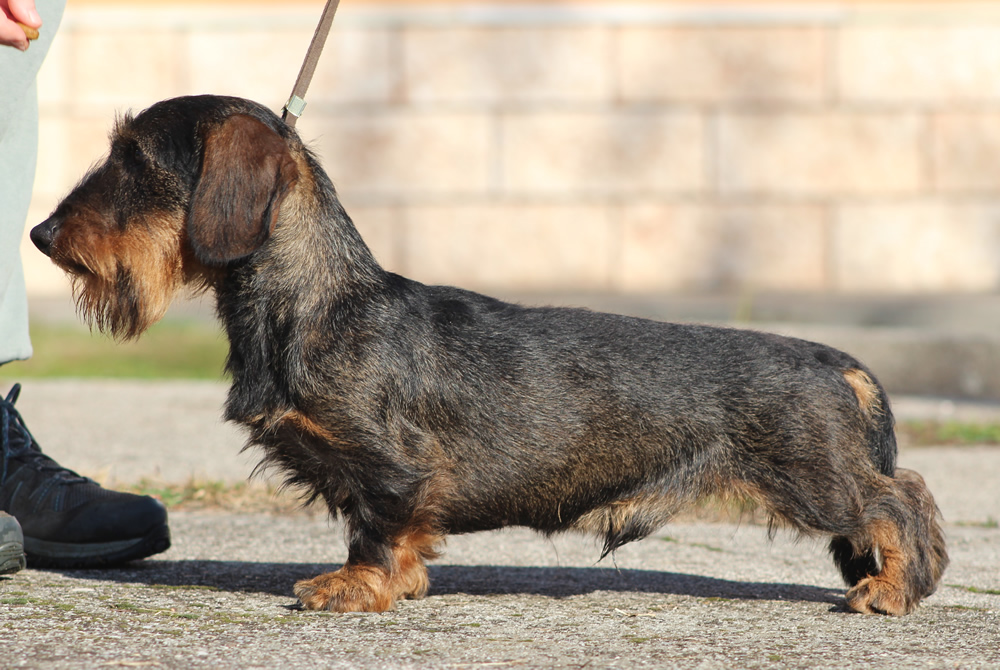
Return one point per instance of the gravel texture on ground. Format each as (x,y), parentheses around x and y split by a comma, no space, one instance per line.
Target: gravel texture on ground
(693,595)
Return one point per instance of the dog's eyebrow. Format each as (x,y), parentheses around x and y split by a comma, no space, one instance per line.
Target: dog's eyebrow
(122,123)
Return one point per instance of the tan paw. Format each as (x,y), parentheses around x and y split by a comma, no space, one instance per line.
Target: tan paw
(350,589)
(878,596)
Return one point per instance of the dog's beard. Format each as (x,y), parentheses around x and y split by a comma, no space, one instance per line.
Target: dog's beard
(123,284)
(124,302)
(122,308)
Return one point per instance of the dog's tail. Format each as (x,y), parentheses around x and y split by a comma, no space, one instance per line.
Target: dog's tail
(874,404)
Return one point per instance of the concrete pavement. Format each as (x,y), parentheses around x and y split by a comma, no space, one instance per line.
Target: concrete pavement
(708,595)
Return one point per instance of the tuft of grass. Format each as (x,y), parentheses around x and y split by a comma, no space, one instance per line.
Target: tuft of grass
(990,522)
(936,433)
(976,589)
(172,349)
(966,608)
(128,607)
(200,494)
(184,587)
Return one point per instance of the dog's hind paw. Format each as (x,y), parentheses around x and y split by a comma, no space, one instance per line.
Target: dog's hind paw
(350,589)
(873,595)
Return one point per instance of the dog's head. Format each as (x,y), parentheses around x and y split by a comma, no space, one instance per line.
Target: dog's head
(190,186)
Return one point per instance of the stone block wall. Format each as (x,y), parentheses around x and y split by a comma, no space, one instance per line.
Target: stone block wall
(649,148)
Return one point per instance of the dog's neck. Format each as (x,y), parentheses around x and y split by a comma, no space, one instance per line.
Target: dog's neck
(312,275)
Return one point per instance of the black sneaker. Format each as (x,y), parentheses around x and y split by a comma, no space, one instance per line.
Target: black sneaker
(11,545)
(69,521)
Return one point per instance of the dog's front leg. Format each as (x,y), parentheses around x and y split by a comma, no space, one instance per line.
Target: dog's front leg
(377,573)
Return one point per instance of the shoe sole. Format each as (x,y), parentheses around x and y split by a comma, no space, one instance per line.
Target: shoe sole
(47,554)
(12,558)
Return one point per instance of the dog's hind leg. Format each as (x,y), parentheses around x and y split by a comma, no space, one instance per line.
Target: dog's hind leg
(886,538)
(898,554)
(839,477)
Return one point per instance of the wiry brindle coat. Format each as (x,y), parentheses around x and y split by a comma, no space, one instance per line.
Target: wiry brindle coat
(419,411)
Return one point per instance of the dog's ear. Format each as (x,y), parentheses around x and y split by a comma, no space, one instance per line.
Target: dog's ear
(246,172)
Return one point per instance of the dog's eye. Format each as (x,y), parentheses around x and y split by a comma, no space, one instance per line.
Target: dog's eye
(131,156)
(136,156)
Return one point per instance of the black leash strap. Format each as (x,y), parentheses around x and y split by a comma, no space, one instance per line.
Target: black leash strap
(296,104)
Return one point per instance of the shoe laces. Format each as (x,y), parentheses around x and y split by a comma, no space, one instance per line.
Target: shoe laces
(24,448)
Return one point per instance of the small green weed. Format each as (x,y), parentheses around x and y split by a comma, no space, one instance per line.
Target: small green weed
(989,523)
(936,433)
(976,589)
(214,494)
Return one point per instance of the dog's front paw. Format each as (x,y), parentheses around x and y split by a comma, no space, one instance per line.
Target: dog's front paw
(873,595)
(350,589)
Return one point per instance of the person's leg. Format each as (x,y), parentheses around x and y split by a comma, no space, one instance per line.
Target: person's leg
(18,149)
(67,520)
(17,170)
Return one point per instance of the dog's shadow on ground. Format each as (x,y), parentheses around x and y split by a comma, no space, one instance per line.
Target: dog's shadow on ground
(479,580)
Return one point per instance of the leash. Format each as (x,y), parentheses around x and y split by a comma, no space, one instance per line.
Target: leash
(296,104)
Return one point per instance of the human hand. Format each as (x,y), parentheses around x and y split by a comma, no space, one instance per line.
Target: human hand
(14,12)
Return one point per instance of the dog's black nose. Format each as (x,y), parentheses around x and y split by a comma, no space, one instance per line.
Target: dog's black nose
(43,234)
